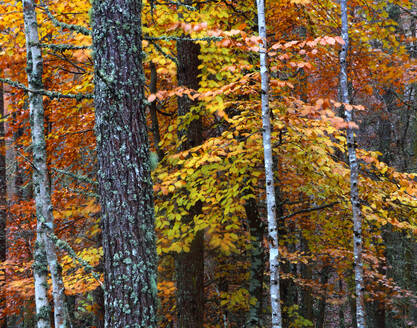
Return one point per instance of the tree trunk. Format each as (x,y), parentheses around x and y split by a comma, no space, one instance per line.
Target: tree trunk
(3,210)
(44,246)
(257,264)
(190,265)
(321,308)
(125,185)
(154,115)
(353,164)
(269,174)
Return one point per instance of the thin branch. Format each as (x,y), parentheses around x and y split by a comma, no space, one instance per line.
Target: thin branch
(82,178)
(177,3)
(165,113)
(72,27)
(50,94)
(65,58)
(158,47)
(66,247)
(181,38)
(60,47)
(307,210)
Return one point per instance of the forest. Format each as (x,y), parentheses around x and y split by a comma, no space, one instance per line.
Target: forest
(208,163)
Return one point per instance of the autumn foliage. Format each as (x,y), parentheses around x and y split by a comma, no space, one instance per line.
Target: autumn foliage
(226,170)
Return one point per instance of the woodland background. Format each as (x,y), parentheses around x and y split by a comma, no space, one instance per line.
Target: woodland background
(205,131)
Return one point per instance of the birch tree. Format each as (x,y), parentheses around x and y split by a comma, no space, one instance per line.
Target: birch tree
(125,186)
(3,210)
(269,173)
(353,164)
(45,252)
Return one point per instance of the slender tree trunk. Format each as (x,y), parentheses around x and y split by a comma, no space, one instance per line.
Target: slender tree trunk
(124,172)
(3,209)
(353,164)
(190,265)
(269,174)
(44,246)
(154,115)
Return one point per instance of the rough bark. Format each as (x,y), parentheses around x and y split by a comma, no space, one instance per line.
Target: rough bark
(190,265)
(269,174)
(45,251)
(125,186)
(353,164)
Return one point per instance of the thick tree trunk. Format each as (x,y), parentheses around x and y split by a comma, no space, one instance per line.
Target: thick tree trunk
(44,246)
(125,185)
(190,265)
(269,174)
(353,164)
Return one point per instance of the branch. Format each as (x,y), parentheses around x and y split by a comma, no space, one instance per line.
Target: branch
(165,113)
(163,52)
(50,94)
(307,210)
(82,178)
(407,11)
(178,4)
(84,193)
(60,47)
(181,38)
(76,28)
(66,247)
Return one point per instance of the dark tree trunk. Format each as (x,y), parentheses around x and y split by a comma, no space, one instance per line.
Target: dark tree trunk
(98,295)
(190,265)
(154,115)
(321,315)
(125,186)
(257,263)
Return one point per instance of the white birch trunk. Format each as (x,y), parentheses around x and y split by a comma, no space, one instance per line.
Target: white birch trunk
(44,247)
(269,174)
(353,164)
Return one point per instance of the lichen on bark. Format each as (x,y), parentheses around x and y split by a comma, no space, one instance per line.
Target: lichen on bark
(125,186)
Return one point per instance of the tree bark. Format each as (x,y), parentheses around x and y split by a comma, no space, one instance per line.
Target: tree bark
(190,265)
(45,251)
(125,186)
(3,209)
(353,164)
(269,173)
(154,115)
(257,264)
(321,307)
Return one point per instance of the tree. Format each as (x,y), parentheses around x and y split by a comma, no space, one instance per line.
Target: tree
(269,173)
(3,209)
(45,252)
(190,265)
(354,172)
(125,185)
